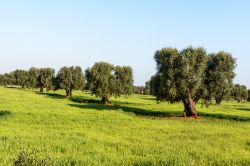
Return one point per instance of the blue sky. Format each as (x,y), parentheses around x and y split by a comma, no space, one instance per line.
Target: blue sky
(62,33)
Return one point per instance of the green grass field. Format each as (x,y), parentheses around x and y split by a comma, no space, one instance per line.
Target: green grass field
(47,128)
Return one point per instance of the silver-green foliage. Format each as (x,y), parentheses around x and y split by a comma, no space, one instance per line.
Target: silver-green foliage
(219,75)
(45,78)
(70,78)
(107,80)
(191,74)
(180,75)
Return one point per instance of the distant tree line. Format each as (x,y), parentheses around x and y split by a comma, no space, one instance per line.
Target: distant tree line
(240,93)
(139,90)
(191,75)
(103,79)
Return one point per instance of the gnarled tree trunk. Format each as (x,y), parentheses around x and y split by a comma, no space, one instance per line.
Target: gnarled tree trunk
(41,89)
(218,101)
(105,100)
(68,93)
(189,107)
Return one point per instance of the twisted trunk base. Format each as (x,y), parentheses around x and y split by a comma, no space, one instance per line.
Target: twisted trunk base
(68,93)
(190,111)
(189,108)
(105,100)
(218,101)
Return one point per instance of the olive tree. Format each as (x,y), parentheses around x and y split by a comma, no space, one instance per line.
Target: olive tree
(219,75)
(138,89)
(239,92)
(152,85)
(190,75)
(88,79)
(180,76)
(32,78)
(45,78)
(70,78)
(20,78)
(1,79)
(107,80)
(147,88)
(248,95)
(8,79)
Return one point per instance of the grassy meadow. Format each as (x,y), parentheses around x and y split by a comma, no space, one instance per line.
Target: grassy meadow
(49,129)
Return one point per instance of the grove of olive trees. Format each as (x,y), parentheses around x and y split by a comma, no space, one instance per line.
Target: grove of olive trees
(103,79)
(186,76)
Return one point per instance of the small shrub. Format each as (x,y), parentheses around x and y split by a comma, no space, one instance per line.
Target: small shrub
(26,158)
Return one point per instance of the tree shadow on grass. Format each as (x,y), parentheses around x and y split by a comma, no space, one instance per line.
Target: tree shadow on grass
(144,112)
(81,99)
(243,109)
(4,113)
(95,105)
(136,111)
(12,87)
(17,88)
(151,98)
(52,95)
(224,116)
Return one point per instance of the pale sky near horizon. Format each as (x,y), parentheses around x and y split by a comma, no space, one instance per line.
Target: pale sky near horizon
(56,33)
